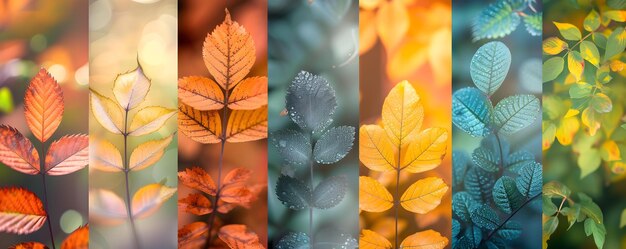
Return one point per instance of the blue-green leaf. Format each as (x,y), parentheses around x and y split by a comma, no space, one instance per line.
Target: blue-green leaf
(474,234)
(460,161)
(530,180)
(490,65)
(479,184)
(311,102)
(495,21)
(293,146)
(462,243)
(519,159)
(330,192)
(462,205)
(511,230)
(297,240)
(534,23)
(485,159)
(495,144)
(456,227)
(515,113)
(506,196)
(292,192)
(471,111)
(334,144)
(485,217)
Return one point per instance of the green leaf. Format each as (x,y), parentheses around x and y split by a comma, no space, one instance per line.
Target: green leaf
(490,65)
(550,225)
(506,196)
(534,23)
(603,75)
(568,31)
(515,113)
(530,180)
(575,64)
(298,240)
(590,208)
(462,205)
(599,39)
(511,230)
(460,162)
(311,102)
(590,52)
(580,90)
(330,192)
(622,220)
(572,213)
(495,21)
(597,230)
(601,103)
(479,184)
(555,189)
(588,161)
(6,100)
(471,111)
(553,46)
(292,192)
(334,144)
(552,68)
(592,21)
(547,206)
(615,44)
(617,4)
(519,159)
(485,217)
(293,146)
(486,159)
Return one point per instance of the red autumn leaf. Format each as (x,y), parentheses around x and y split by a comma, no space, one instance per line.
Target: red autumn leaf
(21,211)
(67,155)
(237,175)
(225,207)
(79,239)
(192,232)
(196,204)
(43,105)
(29,245)
(18,152)
(198,179)
(238,195)
(238,237)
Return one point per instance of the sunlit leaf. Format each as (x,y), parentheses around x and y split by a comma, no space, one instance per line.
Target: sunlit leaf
(293,193)
(240,195)
(554,46)
(106,207)
(610,151)
(198,179)
(615,44)
(201,93)
(250,94)
(21,211)
(236,176)
(148,199)
(201,126)
(108,113)
(589,52)
(575,64)
(426,151)
(79,239)
(592,21)
(334,144)
(247,125)
(239,237)
(17,152)
(472,111)
(372,240)
(568,31)
(601,103)
(330,192)
(402,113)
(615,15)
(67,155)
(489,66)
(131,88)
(424,195)
(373,196)
(392,23)
(588,161)
(375,149)
(43,105)
(105,156)
(148,153)
(149,119)
(308,90)
(428,239)
(367,30)
(6,100)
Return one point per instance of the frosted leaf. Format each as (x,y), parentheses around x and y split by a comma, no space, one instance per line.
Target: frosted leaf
(334,145)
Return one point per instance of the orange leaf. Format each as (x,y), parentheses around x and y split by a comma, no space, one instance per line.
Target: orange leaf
(392,23)
(29,245)
(21,211)
(67,155)
(105,157)
(43,105)
(192,232)
(195,204)
(367,30)
(428,239)
(237,175)
(240,195)
(250,94)
(200,93)
(247,125)
(79,239)
(106,207)
(237,237)
(224,207)
(201,126)
(18,152)
(148,199)
(148,153)
(198,179)
(229,53)
(372,240)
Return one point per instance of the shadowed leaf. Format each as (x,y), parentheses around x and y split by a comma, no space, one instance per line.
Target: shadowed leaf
(196,204)
(298,240)
(293,193)
(372,240)
(334,144)
(472,111)
(330,192)
(308,90)
(190,232)
(294,147)
(106,207)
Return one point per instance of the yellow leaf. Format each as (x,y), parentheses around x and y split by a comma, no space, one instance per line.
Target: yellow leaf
(566,130)
(385,226)
(105,156)
(148,199)
(201,126)
(610,151)
(571,113)
(548,130)
(149,119)
(440,56)
(108,113)
(148,153)
(407,58)
(250,94)
(247,125)
(554,45)
(424,195)
(392,23)
(402,113)
(106,208)
(428,239)
(375,150)
(575,64)
(200,93)
(371,240)
(130,89)
(367,30)
(591,120)
(373,196)
(229,53)
(369,4)
(617,65)
(426,151)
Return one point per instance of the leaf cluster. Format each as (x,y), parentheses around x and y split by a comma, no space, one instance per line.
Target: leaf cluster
(503,17)
(310,104)
(21,211)
(494,183)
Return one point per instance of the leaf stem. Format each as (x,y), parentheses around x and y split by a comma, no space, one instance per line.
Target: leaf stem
(127,185)
(507,219)
(42,170)
(396,202)
(501,161)
(577,43)
(311,187)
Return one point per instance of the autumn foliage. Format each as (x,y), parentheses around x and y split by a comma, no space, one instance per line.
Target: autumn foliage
(22,211)
(225,108)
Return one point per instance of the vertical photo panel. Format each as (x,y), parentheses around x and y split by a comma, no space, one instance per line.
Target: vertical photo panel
(313,120)
(496,112)
(222,123)
(405,145)
(44,148)
(132,124)
(583,124)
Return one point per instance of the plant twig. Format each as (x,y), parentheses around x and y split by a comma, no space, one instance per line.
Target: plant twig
(311,164)
(507,219)
(126,175)
(396,203)
(45,193)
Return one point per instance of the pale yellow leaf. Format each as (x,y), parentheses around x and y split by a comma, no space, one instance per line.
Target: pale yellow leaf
(428,239)
(424,195)
(148,153)
(373,196)
(108,113)
(369,4)
(149,119)
(106,208)
(148,199)
(402,113)
(375,150)
(247,125)
(250,94)
(105,156)
(372,240)
(425,151)
(201,126)
(131,88)
(200,93)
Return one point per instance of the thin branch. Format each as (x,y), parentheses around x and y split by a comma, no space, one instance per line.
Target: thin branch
(507,219)
(45,194)
(126,176)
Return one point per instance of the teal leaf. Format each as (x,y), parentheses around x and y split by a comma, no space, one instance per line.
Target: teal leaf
(485,159)
(511,230)
(495,144)
(471,111)
(311,102)
(460,162)
(485,217)
(330,192)
(506,196)
(597,230)
(334,145)
(293,146)
(552,68)
(533,23)
(479,183)
(496,242)
(515,113)
(495,21)
(490,65)
(530,180)
(292,240)
(462,205)
(615,44)
(474,234)
(463,243)
(456,227)
(519,159)
(292,192)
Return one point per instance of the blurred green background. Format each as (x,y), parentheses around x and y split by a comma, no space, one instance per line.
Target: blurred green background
(321,37)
